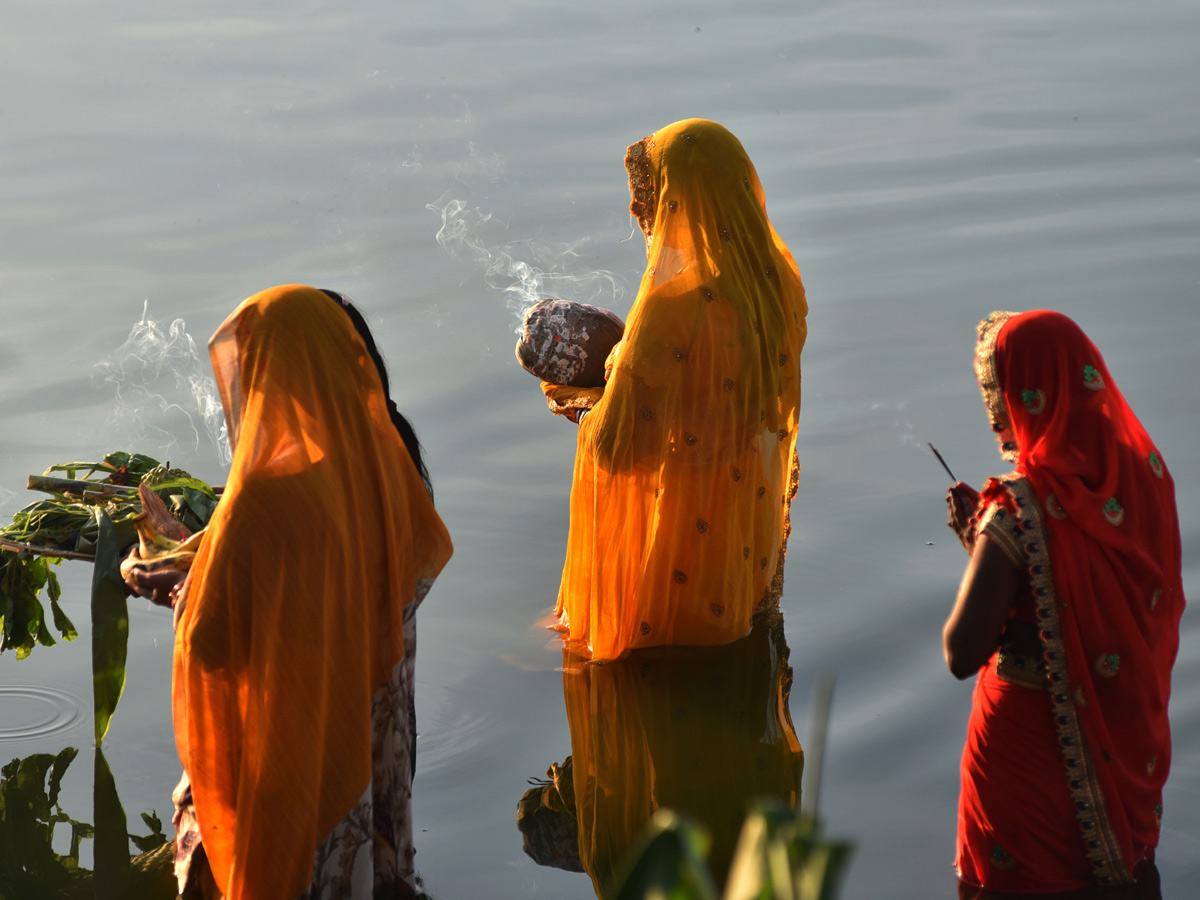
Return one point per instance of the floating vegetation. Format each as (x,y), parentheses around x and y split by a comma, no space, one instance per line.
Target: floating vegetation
(95,513)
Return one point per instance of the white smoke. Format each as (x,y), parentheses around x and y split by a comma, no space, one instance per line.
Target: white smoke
(522,271)
(163,388)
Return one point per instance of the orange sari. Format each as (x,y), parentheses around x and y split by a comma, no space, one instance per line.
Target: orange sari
(296,600)
(686,466)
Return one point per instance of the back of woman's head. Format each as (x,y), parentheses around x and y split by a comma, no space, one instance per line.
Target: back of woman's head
(402,425)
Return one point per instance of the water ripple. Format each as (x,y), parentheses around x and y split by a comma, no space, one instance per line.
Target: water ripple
(33,712)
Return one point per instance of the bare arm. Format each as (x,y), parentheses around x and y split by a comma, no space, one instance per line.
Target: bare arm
(989,588)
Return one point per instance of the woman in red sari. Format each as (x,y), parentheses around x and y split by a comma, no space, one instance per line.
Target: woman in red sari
(1069,611)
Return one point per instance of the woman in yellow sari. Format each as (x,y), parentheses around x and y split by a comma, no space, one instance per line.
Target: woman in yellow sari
(686,465)
(294,644)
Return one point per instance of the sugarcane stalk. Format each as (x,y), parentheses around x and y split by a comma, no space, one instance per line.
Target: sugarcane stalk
(50,485)
(21,547)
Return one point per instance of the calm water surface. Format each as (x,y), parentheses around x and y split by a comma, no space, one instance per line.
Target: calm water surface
(926,162)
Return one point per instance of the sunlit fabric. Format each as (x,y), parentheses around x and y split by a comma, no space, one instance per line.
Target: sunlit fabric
(296,600)
(1062,782)
(703,731)
(685,467)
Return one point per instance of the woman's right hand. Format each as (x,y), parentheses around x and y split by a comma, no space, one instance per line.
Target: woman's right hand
(159,587)
(962,501)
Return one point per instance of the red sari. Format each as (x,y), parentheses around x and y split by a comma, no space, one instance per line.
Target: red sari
(1064,765)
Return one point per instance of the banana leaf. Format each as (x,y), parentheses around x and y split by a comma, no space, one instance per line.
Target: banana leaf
(110,622)
(81,523)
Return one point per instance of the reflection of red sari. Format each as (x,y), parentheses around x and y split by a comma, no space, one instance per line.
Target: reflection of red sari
(1063,770)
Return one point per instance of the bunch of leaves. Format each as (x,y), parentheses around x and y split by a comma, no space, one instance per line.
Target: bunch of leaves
(96,524)
(780,856)
(30,812)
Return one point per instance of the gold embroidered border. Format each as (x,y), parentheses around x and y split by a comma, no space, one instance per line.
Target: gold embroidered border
(997,525)
(1103,848)
(989,384)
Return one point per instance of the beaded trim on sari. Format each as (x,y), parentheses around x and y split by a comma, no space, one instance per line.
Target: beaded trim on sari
(989,384)
(1103,848)
(644,205)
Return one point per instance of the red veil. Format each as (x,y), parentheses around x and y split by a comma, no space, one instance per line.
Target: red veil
(1100,536)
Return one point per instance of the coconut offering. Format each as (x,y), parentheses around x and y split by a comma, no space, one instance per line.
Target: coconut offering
(565,342)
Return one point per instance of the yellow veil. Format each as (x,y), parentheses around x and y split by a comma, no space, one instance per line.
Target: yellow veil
(685,466)
(296,599)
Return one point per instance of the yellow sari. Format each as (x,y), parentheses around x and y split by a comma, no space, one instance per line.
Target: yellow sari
(686,467)
(295,604)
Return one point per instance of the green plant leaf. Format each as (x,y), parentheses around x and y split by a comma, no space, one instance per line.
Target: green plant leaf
(64,625)
(667,862)
(58,769)
(110,625)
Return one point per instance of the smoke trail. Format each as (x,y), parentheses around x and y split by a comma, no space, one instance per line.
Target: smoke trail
(162,386)
(523,271)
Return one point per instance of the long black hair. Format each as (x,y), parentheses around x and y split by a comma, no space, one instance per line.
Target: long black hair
(402,425)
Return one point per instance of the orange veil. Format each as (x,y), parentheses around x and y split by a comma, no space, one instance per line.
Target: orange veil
(685,467)
(295,602)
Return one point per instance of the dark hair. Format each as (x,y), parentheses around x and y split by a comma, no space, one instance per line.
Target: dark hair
(402,425)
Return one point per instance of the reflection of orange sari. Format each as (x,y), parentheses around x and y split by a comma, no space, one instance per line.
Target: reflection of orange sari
(1062,773)
(703,731)
(684,470)
(295,603)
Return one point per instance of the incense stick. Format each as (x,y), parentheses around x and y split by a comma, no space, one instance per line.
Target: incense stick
(943,462)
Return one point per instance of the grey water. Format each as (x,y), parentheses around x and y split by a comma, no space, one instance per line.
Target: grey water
(926,162)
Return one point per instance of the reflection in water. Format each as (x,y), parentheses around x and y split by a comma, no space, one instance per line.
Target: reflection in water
(700,730)
(33,824)
(1148,887)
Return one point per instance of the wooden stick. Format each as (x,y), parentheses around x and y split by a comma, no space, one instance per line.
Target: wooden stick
(943,462)
(18,547)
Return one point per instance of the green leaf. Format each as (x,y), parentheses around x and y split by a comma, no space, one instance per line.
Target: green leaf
(43,636)
(110,848)
(823,870)
(64,625)
(667,862)
(58,770)
(782,856)
(110,625)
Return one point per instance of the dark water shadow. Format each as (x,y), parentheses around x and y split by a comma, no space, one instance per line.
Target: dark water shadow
(703,731)
(33,824)
(1147,888)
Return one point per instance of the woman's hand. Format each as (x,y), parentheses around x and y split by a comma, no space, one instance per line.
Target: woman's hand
(963,503)
(160,587)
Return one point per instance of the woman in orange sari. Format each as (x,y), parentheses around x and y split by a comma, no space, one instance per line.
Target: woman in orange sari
(1069,611)
(294,643)
(686,465)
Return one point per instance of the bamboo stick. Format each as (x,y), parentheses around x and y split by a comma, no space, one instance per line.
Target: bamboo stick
(19,547)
